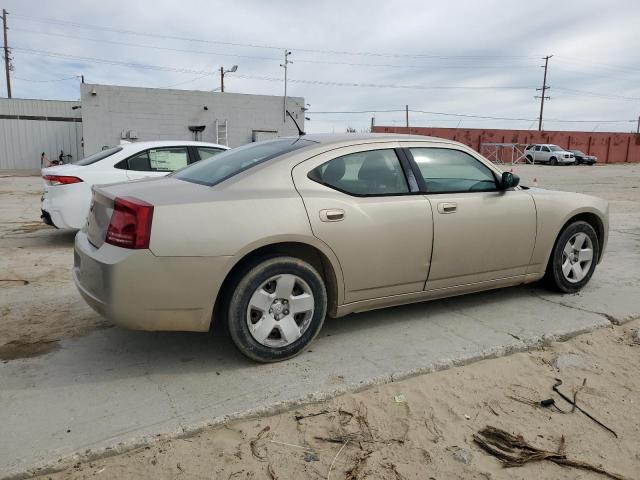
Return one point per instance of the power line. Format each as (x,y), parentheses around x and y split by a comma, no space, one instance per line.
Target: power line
(203,73)
(56,21)
(594,94)
(463,115)
(74,77)
(600,64)
(255,57)
(265,78)
(389,85)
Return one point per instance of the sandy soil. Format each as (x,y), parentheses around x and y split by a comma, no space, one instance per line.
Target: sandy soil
(39,304)
(422,428)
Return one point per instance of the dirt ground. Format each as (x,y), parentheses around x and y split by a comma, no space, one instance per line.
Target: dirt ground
(423,427)
(39,304)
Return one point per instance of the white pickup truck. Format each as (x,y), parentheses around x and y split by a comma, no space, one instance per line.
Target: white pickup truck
(549,153)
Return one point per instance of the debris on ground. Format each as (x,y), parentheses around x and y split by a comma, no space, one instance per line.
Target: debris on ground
(514,451)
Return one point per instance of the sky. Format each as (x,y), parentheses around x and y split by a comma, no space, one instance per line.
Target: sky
(450,61)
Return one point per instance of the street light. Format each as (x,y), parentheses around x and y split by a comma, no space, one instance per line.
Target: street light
(222,72)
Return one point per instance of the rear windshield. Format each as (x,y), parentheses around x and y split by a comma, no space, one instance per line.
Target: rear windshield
(96,157)
(218,168)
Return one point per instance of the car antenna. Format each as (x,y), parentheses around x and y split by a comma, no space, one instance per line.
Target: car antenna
(300,132)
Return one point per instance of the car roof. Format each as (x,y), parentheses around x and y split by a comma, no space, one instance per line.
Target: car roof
(167,143)
(337,139)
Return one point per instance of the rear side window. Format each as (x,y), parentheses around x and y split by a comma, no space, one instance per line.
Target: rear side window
(375,172)
(449,170)
(224,165)
(158,160)
(96,157)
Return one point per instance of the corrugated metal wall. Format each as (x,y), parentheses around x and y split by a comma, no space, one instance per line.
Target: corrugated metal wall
(30,127)
(609,147)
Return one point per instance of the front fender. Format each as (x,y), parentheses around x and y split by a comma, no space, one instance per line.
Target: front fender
(556,209)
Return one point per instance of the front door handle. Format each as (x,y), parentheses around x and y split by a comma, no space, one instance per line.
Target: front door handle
(332,215)
(447,207)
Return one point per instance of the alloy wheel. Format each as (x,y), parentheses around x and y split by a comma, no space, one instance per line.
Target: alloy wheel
(280,310)
(577,257)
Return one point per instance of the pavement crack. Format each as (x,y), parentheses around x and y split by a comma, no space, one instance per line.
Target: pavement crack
(161,388)
(613,320)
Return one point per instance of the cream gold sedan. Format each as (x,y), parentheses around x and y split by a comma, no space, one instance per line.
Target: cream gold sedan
(272,237)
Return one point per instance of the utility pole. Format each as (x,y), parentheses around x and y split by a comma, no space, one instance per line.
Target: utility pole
(284,100)
(406,115)
(7,59)
(544,89)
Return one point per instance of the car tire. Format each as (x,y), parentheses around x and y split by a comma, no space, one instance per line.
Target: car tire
(562,274)
(258,316)
(553,161)
(530,159)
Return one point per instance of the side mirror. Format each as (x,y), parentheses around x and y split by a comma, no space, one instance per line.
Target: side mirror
(509,180)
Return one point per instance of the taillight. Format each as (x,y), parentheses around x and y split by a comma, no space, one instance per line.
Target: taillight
(60,179)
(130,225)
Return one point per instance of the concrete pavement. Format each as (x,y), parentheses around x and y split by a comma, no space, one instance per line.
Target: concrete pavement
(114,389)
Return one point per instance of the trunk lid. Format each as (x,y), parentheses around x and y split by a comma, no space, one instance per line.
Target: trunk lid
(100,212)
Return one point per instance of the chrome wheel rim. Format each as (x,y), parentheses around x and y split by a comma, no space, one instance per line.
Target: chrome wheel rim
(577,257)
(280,310)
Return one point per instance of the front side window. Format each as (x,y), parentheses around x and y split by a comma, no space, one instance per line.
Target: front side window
(224,165)
(375,172)
(449,170)
(208,152)
(545,149)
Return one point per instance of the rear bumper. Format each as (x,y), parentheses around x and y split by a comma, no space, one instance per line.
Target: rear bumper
(137,290)
(66,206)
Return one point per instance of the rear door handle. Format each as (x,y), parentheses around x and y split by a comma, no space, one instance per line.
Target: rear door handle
(447,207)
(332,215)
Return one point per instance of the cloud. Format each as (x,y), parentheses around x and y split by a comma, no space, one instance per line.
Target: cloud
(429,44)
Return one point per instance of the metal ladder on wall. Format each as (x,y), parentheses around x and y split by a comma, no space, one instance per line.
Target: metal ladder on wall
(221,132)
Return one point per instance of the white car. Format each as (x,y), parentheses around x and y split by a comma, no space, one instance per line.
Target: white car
(67,188)
(549,153)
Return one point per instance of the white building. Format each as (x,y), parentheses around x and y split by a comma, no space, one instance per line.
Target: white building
(109,115)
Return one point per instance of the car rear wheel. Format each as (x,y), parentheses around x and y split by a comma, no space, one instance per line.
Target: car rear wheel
(276,309)
(574,258)
(530,159)
(553,161)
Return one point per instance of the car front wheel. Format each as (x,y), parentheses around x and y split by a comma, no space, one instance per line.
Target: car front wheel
(574,258)
(276,309)
(553,161)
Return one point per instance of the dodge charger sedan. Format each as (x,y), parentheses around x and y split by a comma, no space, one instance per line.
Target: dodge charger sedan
(272,237)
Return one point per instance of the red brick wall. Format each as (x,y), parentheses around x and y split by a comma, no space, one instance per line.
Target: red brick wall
(608,147)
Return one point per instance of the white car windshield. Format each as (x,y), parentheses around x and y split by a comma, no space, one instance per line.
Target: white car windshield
(555,148)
